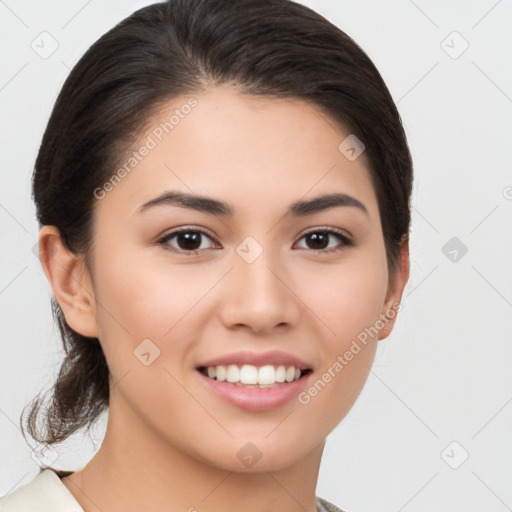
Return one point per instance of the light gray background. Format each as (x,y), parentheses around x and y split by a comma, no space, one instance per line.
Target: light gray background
(444,375)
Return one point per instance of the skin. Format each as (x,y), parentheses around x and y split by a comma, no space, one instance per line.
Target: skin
(170,443)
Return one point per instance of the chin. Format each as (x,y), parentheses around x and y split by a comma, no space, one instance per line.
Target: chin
(261,455)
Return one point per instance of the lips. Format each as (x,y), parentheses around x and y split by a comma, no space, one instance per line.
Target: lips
(249,368)
(274,358)
(255,381)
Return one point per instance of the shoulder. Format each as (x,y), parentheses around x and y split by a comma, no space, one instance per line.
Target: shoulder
(325,506)
(45,493)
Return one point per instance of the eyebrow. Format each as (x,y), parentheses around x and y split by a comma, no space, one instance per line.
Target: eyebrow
(221,209)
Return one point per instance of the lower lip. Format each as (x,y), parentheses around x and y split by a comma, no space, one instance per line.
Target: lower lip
(256,399)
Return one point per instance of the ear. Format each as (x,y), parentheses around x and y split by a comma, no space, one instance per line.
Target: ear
(395,290)
(69,278)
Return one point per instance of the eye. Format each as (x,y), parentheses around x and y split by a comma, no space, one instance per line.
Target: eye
(189,241)
(320,239)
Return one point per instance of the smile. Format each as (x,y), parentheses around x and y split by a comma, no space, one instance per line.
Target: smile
(248,375)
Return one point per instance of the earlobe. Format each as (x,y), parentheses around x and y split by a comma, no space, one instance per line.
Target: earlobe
(396,287)
(70,281)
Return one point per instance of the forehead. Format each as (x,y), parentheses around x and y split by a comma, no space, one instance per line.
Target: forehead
(242,149)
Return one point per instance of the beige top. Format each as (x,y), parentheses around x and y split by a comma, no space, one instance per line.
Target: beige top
(46,493)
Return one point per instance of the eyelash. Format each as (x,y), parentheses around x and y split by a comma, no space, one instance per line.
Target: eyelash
(346,241)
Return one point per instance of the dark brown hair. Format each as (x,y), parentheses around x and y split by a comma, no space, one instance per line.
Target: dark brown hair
(264,47)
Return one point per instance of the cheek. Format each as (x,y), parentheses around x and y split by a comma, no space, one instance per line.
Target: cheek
(330,396)
(348,302)
(159,302)
(148,300)
(141,303)
(348,298)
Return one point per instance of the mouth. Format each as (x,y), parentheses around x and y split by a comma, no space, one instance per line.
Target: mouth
(251,376)
(255,381)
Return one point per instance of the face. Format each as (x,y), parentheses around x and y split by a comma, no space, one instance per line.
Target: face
(262,277)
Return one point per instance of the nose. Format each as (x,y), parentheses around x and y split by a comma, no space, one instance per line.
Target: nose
(259,296)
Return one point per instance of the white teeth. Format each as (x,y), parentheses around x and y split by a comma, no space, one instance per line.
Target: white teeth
(249,374)
(233,373)
(221,373)
(290,374)
(264,376)
(280,374)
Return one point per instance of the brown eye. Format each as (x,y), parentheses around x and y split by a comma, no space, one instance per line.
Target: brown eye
(322,240)
(185,241)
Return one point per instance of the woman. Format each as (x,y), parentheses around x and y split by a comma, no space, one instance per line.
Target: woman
(223,193)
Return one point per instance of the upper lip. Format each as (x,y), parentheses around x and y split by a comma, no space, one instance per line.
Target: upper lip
(274,357)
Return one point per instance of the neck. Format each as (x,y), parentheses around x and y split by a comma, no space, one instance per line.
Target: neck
(135,469)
